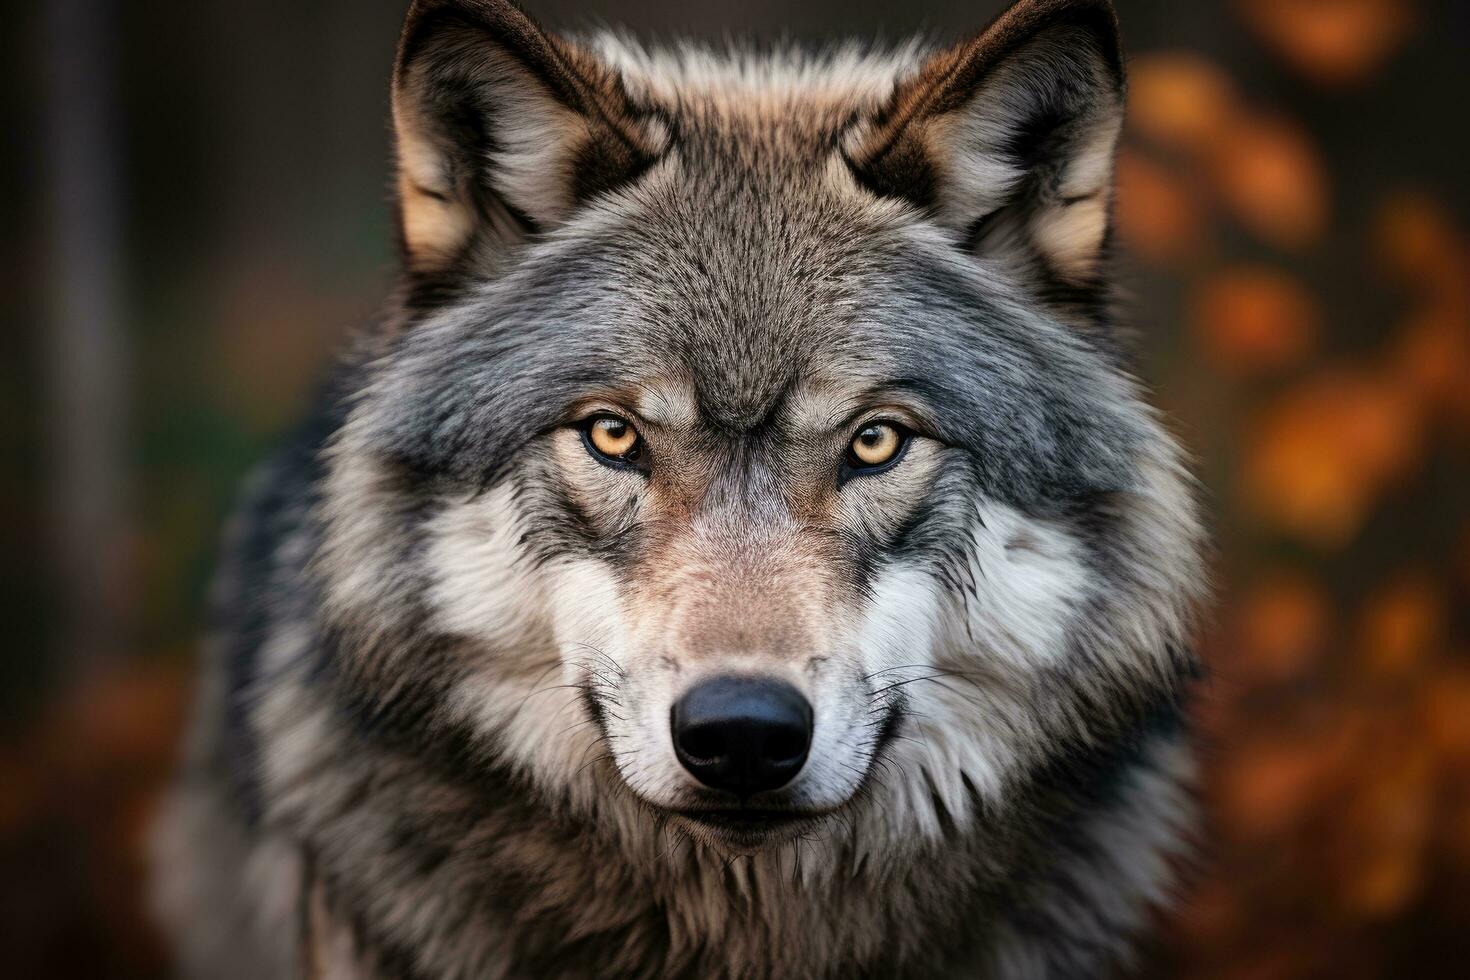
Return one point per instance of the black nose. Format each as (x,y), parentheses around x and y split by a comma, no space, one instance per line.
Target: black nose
(742,734)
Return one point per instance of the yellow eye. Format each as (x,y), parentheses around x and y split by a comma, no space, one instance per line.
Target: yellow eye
(876,445)
(614,438)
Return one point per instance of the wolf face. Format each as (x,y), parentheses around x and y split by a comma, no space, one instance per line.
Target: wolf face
(751,455)
(739,552)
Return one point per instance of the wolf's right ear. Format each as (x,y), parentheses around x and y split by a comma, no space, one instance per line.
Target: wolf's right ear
(502,129)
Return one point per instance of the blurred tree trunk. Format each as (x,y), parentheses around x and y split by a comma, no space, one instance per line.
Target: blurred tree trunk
(83,345)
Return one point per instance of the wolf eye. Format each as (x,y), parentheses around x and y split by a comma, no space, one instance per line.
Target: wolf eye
(611,439)
(875,447)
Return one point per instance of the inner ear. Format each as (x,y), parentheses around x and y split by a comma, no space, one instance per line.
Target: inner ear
(1009,138)
(503,129)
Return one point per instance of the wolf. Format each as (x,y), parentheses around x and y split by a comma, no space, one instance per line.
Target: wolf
(739,550)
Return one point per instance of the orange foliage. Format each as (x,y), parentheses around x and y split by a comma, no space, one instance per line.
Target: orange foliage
(1431,359)
(90,776)
(1270,781)
(1271,178)
(1332,42)
(1159,214)
(1282,626)
(1384,829)
(1447,712)
(1251,319)
(1180,100)
(1430,355)
(1262,169)
(1416,241)
(1402,625)
(1321,454)
(1463,558)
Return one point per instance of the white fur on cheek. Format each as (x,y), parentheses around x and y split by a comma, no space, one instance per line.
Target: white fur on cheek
(898,623)
(894,631)
(590,630)
(479,578)
(532,634)
(486,592)
(900,641)
(972,725)
(1029,578)
(585,602)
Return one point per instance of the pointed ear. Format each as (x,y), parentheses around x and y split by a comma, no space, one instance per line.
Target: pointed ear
(502,129)
(1009,138)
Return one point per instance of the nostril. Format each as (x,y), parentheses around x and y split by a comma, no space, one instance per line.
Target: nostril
(786,746)
(704,743)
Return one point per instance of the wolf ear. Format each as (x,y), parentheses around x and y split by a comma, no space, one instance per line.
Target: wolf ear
(502,129)
(1009,138)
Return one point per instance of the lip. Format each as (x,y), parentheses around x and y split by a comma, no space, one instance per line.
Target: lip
(747,824)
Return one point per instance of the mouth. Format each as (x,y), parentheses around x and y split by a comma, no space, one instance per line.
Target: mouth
(747,825)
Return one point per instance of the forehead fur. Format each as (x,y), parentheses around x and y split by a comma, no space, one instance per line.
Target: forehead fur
(752,240)
(836,83)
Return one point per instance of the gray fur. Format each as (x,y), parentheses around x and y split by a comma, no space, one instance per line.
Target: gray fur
(431,738)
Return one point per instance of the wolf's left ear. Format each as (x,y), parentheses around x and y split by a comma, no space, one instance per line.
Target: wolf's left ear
(1009,138)
(502,128)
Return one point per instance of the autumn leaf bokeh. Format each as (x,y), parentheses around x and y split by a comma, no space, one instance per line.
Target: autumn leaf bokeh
(1337,719)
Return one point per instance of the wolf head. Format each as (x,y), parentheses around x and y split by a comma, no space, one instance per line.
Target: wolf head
(751,449)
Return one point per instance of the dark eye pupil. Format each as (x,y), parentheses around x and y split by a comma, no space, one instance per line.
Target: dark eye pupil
(871,436)
(614,427)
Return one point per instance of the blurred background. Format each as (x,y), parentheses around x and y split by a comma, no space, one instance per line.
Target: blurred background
(197,213)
